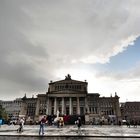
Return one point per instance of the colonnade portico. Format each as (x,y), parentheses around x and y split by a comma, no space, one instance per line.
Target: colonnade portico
(67,96)
(66,105)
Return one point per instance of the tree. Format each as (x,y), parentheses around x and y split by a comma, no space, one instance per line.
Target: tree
(3,114)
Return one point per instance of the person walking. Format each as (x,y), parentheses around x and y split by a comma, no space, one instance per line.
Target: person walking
(128,123)
(42,125)
(79,123)
(21,125)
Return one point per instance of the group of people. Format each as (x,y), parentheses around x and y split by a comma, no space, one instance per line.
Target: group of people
(132,122)
(44,120)
(60,123)
(42,123)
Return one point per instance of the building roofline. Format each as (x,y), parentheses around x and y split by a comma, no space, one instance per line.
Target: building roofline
(67,81)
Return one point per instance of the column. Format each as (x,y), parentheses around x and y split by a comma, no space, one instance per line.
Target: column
(37,108)
(78,106)
(55,106)
(92,110)
(70,106)
(86,105)
(63,106)
(47,106)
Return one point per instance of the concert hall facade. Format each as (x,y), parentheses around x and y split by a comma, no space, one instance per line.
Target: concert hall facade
(71,97)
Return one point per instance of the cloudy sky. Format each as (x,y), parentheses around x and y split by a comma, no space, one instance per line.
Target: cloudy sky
(93,40)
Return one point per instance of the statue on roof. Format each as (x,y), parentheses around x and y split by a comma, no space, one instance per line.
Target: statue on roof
(68,77)
(24,97)
(116,94)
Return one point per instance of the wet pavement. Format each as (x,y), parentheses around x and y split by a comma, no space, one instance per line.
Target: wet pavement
(71,130)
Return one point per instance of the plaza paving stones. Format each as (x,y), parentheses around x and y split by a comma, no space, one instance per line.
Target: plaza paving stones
(71,130)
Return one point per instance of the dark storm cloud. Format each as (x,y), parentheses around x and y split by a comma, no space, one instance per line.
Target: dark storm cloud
(18,56)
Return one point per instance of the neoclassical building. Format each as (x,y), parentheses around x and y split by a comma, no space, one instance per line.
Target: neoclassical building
(130,111)
(12,108)
(71,97)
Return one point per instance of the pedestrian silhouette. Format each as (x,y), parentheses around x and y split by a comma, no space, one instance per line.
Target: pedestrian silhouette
(42,125)
(79,123)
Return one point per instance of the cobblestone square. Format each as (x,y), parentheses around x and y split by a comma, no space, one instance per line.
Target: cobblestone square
(71,130)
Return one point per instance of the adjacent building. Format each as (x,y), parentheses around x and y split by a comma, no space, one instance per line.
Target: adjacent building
(130,111)
(28,108)
(12,107)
